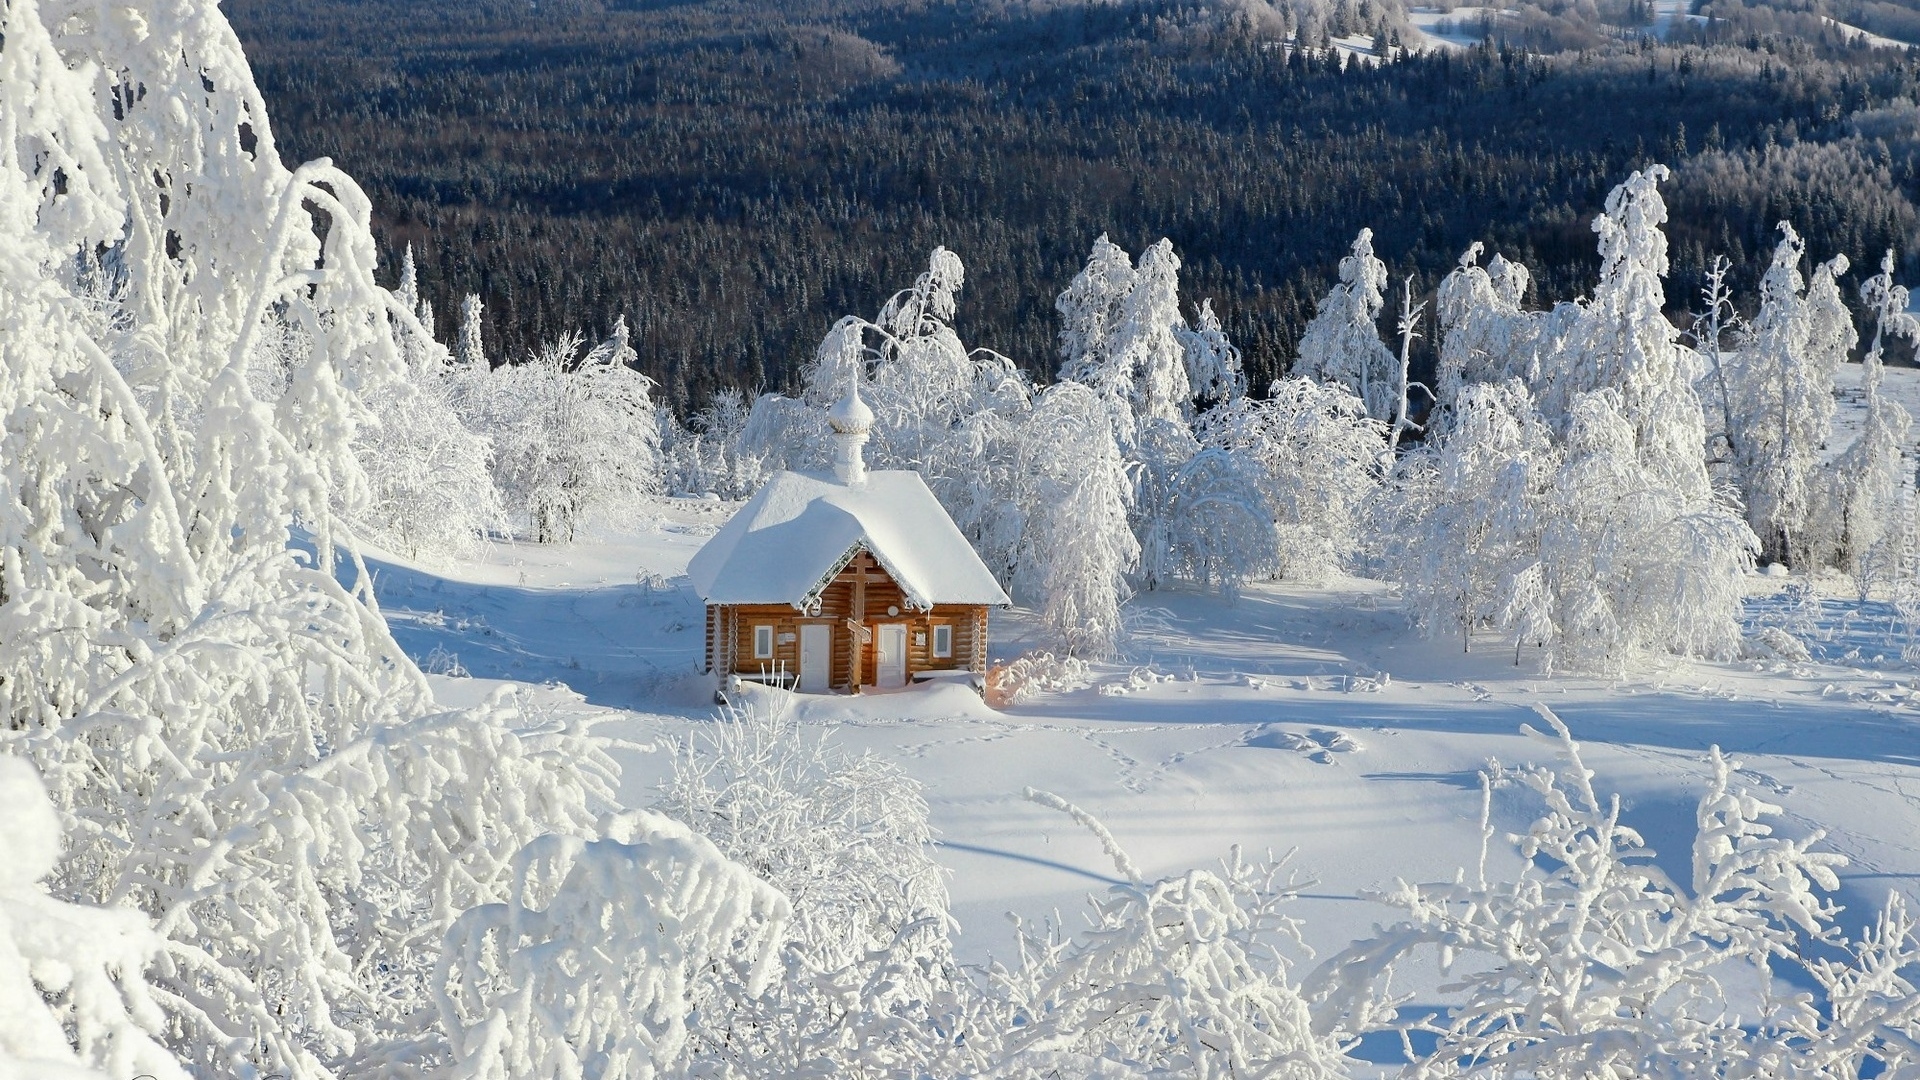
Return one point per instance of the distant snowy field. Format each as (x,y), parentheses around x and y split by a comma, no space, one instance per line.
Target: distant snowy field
(1308,718)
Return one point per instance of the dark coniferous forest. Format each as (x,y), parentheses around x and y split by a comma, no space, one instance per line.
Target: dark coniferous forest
(732,177)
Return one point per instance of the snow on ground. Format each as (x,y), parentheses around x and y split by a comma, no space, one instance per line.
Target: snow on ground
(1854,32)
(1670,14)
(1298,717)
(1456,29)
(1901,384)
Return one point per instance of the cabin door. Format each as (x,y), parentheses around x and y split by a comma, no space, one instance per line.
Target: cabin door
(816,657)
(891,665)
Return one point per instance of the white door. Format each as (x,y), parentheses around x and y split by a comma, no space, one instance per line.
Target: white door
(816,657)
(892,663)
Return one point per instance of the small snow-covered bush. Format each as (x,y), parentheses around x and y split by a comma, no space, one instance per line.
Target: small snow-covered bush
(73,997)
(867,975)
(1022,679)
(588,969)
(1184,976)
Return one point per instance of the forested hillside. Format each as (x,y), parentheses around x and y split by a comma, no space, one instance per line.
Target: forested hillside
(731,177)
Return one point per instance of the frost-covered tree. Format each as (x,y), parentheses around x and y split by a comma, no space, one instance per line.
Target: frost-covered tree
(248,759)
(1629,563)
(1486,335)
(1076,545)
(1342,343)
(1147,357)
(924,383)
(1461,532)
(1865,507)
(1781,396)
(1160,452)
(1091,310)
(575,437)
(1712,333)
(1315,456)
(433,492)
(1213,361)
(1224,533)
(709,454)
(1124,338)
(921,381)
(1610,380)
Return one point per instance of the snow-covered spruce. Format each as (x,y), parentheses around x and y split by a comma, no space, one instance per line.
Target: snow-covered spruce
(1342,343)
(1780,400)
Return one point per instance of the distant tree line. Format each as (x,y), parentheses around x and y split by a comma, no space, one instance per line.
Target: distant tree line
(732,177)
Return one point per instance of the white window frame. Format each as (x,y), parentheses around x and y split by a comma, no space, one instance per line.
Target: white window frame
(763,642)
(943,630)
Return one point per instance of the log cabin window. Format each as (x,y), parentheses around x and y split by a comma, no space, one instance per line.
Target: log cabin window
(943,640)
(763,643)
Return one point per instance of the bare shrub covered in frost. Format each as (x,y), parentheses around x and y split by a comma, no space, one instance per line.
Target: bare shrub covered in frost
(1594,962)
(73,995)
(867,978)
(1022,679)
(1184,976)
(575,439)
(588,968)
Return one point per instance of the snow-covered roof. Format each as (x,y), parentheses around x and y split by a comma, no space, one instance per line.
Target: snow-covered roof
(798,531)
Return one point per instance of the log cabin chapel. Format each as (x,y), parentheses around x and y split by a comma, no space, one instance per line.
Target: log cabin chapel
(843,580)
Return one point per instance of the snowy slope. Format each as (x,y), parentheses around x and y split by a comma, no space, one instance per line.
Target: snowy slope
(1298,717)
(1455,29)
